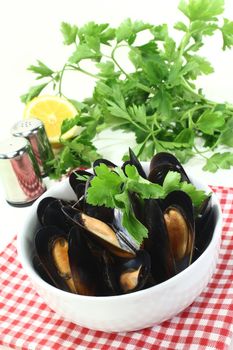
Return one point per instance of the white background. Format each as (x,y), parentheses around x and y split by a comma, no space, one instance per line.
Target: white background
(29,30)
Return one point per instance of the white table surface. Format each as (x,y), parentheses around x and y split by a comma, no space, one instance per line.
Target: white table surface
(29,30)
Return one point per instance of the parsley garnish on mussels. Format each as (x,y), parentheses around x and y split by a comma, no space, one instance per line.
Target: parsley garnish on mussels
(112,188)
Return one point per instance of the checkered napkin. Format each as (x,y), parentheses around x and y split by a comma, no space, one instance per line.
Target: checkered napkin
(27,323)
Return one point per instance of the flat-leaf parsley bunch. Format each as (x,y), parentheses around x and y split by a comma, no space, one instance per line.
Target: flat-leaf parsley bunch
(157,100)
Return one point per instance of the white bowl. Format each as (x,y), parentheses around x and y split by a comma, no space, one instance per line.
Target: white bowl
(124,312)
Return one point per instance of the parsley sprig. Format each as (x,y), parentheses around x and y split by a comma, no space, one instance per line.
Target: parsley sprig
(157,99)
(112,188)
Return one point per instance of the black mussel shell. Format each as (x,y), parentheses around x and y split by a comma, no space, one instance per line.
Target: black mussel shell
(107,283)
(109,164)
(133,160)
(42,206)
(38,266)
(133,274)
(75,181)
(204,231)
(79,185)
(99,231)
(157,243)
(83,264)
(203,212)
(102,213)
(161,164)
(46,239)
(110,284)
(49,213)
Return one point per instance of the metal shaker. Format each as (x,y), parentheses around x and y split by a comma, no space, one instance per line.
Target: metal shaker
(19,172)
(34,131)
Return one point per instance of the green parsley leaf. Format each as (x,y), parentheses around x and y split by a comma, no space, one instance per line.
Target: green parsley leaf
(171,182)
(203,28)
(201,9)
(137,230)
(69,33)
(226,138)
(104,186)
(41,69)
(197,196)
(67,124)
(219,161)
(107,69)
(186,136)
(181,26)
(210,121)
(83,51)
(227,34)
(196,66)
(34,91)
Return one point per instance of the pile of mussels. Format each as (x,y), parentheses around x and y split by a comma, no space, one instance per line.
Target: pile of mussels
(84,249)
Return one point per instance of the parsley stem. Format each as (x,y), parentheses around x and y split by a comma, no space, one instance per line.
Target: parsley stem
(139,85)
(143,144)
(187,87)
(200,152)
(139,126)
(61,78)
(183,44)
(79,69)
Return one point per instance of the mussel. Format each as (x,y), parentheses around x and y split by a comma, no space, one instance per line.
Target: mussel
(49,213)
(133,274)
(161,164)
(100,231)
(80,187)
(133,160)
(85,249)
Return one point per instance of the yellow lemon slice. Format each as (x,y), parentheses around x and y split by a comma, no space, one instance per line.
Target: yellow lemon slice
(52,110)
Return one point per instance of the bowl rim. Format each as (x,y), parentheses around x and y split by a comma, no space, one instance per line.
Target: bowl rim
(33,276)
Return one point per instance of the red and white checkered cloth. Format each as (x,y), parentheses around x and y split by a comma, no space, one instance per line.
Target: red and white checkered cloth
(27,323)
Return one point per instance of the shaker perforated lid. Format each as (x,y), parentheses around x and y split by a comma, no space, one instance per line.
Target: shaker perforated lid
(26,127)
(12,147)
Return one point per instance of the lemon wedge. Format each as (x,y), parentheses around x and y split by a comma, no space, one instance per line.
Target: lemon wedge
(52,110)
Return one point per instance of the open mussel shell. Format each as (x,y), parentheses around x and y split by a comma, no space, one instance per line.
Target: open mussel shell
(52,250)
(171,234)
(100,231)
(132,274)
(49,213)
(133,160)
(83,264)
(179,220)
(161,164)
